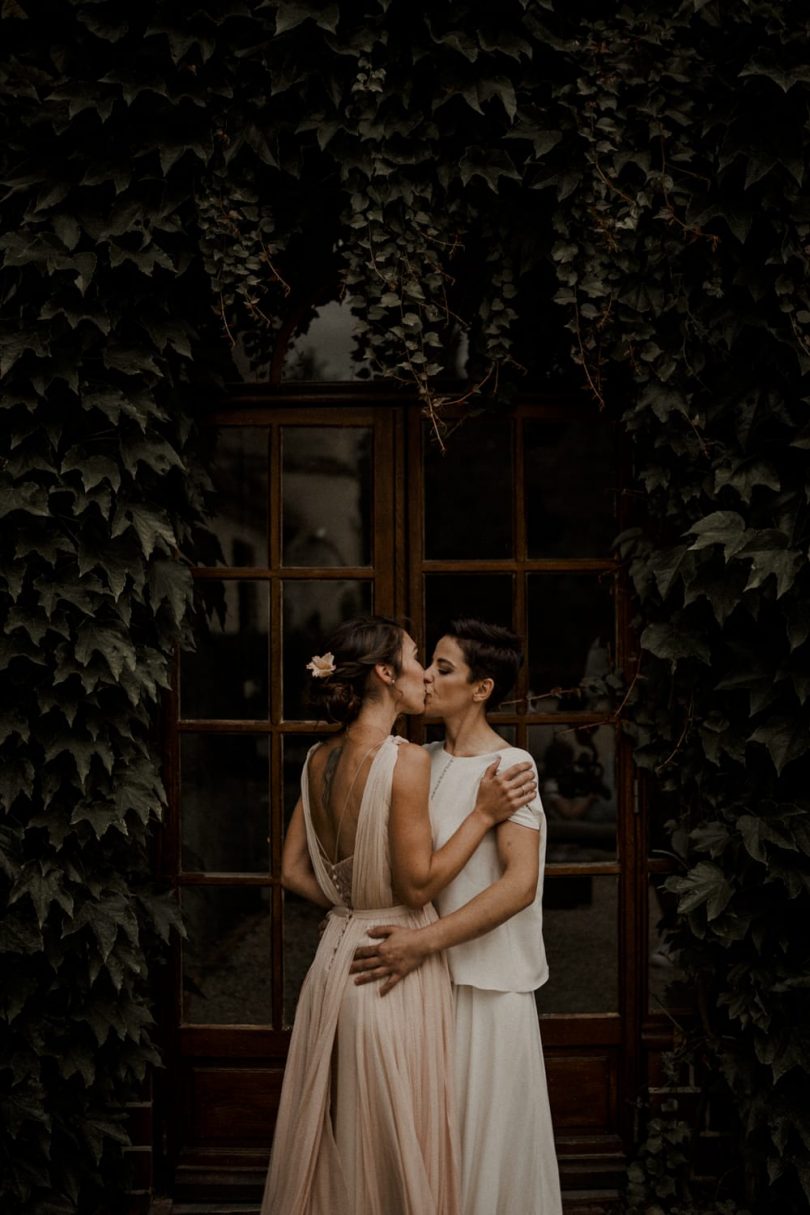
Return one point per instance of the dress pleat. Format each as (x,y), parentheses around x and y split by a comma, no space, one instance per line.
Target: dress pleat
(366,1117)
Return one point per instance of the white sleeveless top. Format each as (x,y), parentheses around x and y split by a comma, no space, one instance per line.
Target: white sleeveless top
(512,957)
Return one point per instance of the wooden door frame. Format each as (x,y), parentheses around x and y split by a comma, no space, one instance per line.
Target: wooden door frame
(593,1161)
(225,1046)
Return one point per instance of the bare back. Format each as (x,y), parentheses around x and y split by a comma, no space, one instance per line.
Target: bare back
(337,774)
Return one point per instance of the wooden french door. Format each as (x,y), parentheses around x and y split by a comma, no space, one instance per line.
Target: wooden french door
(335,505)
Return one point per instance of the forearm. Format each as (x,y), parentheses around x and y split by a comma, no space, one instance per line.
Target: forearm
(297,874)
(419,872)
(447,862)
(489,909)
(404,949)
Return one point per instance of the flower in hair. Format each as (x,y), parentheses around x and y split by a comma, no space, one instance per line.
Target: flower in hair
(322,665)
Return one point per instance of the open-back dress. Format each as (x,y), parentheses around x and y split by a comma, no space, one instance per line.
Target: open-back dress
(366,1121)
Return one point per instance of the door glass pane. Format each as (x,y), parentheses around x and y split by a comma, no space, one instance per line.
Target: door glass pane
(571,640)
(489,597)
(468,491)
(326,481)
(240,477)
(570,488)
(580,930)
(227,974)
(224,803)
(577,770)
(668,987)
(226,676)
(312,610)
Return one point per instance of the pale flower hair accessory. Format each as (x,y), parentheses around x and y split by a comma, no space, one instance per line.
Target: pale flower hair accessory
(322,665)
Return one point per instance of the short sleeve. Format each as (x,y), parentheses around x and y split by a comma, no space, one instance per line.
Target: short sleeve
(528,816)
(532,814)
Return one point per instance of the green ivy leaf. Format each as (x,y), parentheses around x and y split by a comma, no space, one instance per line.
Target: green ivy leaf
(672,565)
(704,885)
(164,913)
(101,816)
(782,564)
(712,837)
(675,643)
(98,1132)
(722,588)
(112,644)
(488,164)
(81,751)
(156,454)
(290,15)
(150,528)
(27,497)
(769,68)
(93,468)
(67,229)
(104,917)
(170,582)
(723,527)
(786,739)
(130,361)
(43,885)
(76,1060)
(745,476)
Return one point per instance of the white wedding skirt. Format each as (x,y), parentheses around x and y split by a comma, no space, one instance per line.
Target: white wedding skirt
(508,1162)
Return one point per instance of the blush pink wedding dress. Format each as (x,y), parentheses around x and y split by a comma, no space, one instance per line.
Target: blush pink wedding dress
(366,1120)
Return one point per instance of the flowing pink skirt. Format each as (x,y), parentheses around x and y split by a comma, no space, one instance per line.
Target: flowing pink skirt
(366,1121)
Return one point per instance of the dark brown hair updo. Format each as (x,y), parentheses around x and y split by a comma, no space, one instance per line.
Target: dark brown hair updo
(357,646)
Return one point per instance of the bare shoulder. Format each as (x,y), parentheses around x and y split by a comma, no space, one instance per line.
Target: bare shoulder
(412,759)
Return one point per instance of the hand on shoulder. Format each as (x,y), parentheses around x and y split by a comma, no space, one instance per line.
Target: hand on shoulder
(503,791)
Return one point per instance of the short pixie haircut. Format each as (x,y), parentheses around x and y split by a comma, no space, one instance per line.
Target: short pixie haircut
(490,651)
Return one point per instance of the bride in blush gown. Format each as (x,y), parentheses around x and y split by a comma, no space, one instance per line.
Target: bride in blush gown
(366,1121)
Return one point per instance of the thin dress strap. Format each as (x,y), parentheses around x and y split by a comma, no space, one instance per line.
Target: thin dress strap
(320,862)
(371,877)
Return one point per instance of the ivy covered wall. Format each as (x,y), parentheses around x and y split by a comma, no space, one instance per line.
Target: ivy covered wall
(104,318)
(615,200)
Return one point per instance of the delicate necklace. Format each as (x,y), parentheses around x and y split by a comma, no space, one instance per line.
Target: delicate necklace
(442,775)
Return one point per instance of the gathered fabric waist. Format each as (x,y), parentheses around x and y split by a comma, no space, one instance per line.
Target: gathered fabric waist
(378,914)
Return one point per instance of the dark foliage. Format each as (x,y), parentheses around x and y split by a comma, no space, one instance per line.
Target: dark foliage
(454,168)
(103,321)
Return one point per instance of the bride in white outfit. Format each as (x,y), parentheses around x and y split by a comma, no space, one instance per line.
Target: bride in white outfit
(490,931)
